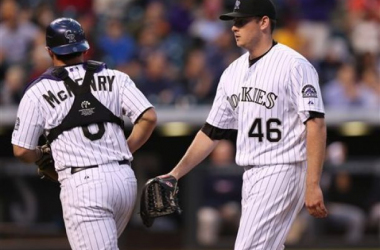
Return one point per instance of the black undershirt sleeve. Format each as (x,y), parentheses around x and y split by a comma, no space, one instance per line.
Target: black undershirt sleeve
(231,134)
(219,134)
(314,114)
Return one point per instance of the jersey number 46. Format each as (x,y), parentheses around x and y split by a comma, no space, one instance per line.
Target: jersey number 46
(273,134)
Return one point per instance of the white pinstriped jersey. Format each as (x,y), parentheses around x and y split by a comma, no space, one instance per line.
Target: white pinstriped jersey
(268,104)
(38,114)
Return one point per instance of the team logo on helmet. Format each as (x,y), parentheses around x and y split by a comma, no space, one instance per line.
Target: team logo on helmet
(237,5)
(309,91)
(70,36)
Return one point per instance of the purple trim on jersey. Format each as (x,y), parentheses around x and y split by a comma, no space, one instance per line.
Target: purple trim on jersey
(138,118)
(48,74)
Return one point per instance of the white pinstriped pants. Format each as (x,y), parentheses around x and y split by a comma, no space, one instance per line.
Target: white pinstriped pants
(272,196)
(97,204)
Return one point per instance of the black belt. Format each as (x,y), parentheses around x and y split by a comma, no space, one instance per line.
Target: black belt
(78,169)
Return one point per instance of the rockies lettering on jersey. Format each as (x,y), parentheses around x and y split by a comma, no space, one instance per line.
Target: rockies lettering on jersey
(258,96)
(268,102)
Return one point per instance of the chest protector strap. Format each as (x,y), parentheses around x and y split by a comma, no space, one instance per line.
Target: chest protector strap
(86,109)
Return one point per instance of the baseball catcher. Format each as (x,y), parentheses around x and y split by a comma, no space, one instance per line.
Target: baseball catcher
(159,198)
(45,164)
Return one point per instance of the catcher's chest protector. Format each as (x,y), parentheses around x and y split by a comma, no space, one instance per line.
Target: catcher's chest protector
(86,109)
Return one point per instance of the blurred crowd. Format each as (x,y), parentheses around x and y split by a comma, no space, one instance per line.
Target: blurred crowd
(176,50)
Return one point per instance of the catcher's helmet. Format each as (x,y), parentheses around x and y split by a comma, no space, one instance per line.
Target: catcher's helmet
(65,36)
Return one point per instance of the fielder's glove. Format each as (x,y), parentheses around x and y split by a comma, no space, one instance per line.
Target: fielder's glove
(159,197)
(45,164)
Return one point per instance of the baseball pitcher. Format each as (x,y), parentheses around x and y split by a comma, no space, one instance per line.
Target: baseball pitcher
(271,97)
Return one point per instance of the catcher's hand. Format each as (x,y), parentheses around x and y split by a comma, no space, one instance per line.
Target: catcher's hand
(45,164)
(159,197)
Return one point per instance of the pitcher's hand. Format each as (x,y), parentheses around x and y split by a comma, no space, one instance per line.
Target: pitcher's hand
(314,202)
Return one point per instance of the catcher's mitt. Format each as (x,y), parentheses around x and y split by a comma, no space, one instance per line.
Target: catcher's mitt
(159,197)
(45,164)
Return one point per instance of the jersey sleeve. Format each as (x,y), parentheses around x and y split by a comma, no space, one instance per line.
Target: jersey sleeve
(221,114)
(29,124)
(134,102)
(305,91)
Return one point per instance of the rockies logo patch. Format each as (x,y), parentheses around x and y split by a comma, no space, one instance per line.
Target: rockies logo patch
(309,92)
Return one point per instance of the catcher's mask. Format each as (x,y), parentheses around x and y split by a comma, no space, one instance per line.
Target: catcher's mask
(65,36)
